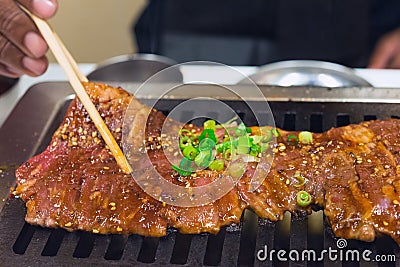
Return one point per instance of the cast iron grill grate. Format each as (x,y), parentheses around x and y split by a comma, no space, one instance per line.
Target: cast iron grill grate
(24,244)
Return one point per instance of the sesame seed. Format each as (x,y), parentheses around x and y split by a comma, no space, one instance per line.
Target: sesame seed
(282,148)
(112,204)
(95,231)
(387,167)
(150,139)
(287,181)
(54,143)
(113,208)
(118,130)
(275,150)
(94,134)
(119,229)
(83,137)
(84,132)
(164,204)
(396,202)
(385,223)
(305,161)
(80,130)
(74,143)
(369,161)
(144,200)
(68,224)
(106,167)
(158,147)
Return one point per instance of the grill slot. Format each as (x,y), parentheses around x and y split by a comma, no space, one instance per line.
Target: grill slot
(30,245)
(248,237)
(181,249)
(148,250)
(116,247)
(23,239)
(54,242)
(85,245)
(215,245)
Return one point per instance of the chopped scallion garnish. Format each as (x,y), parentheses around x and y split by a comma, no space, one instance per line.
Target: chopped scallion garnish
(305,137)
(303,198)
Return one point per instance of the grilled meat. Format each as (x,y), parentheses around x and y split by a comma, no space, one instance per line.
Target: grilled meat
(351,172)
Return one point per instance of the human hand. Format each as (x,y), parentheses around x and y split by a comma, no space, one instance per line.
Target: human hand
(22,48)
(387,52)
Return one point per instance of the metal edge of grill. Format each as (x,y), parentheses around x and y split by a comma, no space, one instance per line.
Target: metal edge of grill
(44,108)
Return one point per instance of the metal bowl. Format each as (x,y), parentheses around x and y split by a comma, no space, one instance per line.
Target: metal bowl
(134,68)
(307,73)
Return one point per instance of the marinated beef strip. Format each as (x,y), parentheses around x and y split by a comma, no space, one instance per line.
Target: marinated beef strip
(351,172)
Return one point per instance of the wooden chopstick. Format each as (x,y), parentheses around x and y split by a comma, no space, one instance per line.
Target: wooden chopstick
(76,78)
(71,60)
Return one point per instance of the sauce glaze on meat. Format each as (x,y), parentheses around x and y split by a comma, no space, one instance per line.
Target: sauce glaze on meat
(352,172)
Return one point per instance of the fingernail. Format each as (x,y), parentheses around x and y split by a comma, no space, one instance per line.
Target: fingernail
(35,44)
(37,67)
(45,8)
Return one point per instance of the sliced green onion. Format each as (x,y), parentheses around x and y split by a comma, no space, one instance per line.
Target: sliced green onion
(256,139)
(248,130)
(204,158)
(305,137)
(186,165)
(264,147)
(184,141)
(208,133)
(300,178)
(241,129)
(217,165)
(303,199)
(267,136)
(190,152)
(180,171)
(254,150)
(292,139)
(228,154)
(276,132)
(236,170)
(227,123)
(184,132)
(209,124)
(206,144)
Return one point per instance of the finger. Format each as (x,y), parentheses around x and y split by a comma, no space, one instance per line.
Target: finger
(18,28)
(12,57)
(9,72)
(382,54)
(395,62)
(41,8)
